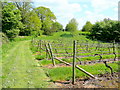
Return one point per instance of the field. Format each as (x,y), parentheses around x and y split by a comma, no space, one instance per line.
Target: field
(90,55)
(28,62)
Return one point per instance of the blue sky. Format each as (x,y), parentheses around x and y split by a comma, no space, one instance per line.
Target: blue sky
(81,10)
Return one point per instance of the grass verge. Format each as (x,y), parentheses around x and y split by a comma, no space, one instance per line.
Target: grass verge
(65,73)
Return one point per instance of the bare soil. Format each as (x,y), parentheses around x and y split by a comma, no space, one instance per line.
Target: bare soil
(103,81)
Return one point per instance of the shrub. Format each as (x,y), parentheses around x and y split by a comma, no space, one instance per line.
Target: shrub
(3,39)
(12,33)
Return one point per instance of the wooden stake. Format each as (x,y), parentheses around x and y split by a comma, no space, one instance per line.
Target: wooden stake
(52,57)
(62,61)
(76,67)
(85,72)
(114,50)
(74,62)
(114,46)
(47,51)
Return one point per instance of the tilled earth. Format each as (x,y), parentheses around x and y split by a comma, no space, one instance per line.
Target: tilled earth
(103,81)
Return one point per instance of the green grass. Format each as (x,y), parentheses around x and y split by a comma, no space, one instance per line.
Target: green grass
(20,70)
(69,60)
(65,73)
(66,38)
(6,47)
(23,38)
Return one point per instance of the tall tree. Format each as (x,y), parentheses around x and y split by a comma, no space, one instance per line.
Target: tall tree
(10,20)
(72,26)
(25,8)
(45,13)
(57,27)
(47,18)
(87,27)
(33,24)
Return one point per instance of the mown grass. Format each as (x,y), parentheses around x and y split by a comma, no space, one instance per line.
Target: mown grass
(20,70)
(65,73)
(6,47)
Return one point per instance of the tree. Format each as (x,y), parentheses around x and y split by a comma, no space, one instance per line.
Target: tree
(47,18)
(25,8)
(10,20)
(33,24)
(45,13)
(72,26)
(87,27)
(57,27)
(106,30)
(47,27)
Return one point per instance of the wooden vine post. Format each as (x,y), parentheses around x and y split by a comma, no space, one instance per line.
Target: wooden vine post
(40,42)
(38,45)
(51,53)
(114,50)
(47,51)
(74,62)
(113,46)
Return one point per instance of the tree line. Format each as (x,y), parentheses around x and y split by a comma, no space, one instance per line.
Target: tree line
(105,30)
(21,18)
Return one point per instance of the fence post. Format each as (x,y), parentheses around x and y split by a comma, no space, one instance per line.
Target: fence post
(114,50)
(52,57)
(46,51)
(39,45)
(74,62)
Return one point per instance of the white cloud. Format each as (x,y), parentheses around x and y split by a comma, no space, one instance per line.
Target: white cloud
(93,17)
(101,5)
(63,10)
(85,6)
(115,9)
(68,9)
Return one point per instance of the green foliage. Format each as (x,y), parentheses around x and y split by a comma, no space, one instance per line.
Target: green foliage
(107,30)
(30,20)
(87,27)
(66,35)
(33,24)
(83,33)
(47,17)
(44,13)
(12,33)
(23,38)
(39,57)
(72,26)
(57,27)
(3,39)
(11,20)
(47,27)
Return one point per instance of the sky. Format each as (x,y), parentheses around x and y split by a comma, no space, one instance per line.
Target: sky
(81,10)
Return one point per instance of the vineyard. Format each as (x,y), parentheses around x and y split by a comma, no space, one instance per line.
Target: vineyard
(61,57)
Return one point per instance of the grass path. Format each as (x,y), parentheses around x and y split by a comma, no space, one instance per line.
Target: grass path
(19,69)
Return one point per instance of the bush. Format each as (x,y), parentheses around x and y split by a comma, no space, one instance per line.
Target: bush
(107,30)
(3,39)
(12,33)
